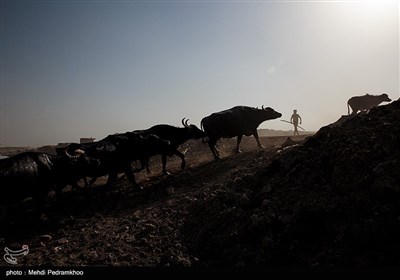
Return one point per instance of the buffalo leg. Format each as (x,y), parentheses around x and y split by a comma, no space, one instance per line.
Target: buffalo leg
(255,134)
(131,177)
(58,189)
(86,182)
(164,164)
(182,156)
(237,149)
(85,190)
(214,150)
(75,186)
(92,180)
(3,212)
(40,199)
(144,163)
(112,177)
(164,161)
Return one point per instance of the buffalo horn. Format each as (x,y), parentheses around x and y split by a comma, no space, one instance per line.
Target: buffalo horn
(184,123)
(77,153)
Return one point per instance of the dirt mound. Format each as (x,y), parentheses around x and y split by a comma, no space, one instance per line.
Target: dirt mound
(335,200)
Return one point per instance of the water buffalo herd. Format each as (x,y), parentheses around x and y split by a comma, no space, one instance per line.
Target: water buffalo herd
(34,174)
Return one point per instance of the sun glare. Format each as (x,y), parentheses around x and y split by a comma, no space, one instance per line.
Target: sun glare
(369,13)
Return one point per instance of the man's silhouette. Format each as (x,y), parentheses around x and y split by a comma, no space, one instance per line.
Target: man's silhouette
(295,121)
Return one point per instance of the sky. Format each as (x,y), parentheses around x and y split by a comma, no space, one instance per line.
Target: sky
(72,69)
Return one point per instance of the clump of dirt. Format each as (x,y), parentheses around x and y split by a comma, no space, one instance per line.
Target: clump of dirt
(335,200)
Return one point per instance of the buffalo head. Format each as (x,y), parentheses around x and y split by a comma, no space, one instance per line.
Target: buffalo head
(196,133)
(385,97)
(269,113)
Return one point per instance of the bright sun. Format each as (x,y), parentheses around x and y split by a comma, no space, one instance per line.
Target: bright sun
(370,12)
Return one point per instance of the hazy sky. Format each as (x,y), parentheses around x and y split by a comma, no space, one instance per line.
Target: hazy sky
(72,69)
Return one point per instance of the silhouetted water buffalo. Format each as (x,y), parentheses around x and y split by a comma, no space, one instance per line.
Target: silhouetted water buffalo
(116,153)
(175,135)
(365,102)
(32,174)
(237,121)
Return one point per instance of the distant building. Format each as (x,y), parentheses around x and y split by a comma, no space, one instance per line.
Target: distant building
(86,140)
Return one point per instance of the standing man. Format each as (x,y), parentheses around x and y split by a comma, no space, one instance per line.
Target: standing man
(295,121)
